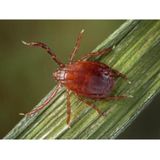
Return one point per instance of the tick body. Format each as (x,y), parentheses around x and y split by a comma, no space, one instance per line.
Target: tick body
(87,79)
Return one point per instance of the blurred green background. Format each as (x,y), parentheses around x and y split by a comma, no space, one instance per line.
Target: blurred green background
(26,73)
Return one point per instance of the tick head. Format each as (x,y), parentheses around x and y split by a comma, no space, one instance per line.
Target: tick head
(59,75)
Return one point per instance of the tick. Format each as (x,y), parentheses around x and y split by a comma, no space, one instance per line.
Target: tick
(86,79)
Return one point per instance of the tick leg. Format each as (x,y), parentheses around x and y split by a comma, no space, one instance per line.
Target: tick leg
(118,74)
(44,46)
(92,106)
(46,102)
(68,109)
(76,46)
(98,53)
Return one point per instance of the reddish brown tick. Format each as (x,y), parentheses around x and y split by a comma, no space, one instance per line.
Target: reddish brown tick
(93,80)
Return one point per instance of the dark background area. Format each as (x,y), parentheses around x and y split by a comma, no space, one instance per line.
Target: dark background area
(26,73)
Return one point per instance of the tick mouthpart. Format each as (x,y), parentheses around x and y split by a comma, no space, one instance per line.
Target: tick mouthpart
(55,75)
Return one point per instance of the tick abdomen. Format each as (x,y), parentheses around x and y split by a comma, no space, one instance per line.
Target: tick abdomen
(89,79)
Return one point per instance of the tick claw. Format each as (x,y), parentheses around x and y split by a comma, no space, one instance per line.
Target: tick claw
(130,96)
(30,43)
(82,30)
(22,114)
(25,43)
(114,46)
(129,82)
(104,114)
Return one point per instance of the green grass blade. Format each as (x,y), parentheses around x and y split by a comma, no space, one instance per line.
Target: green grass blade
(136,54)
